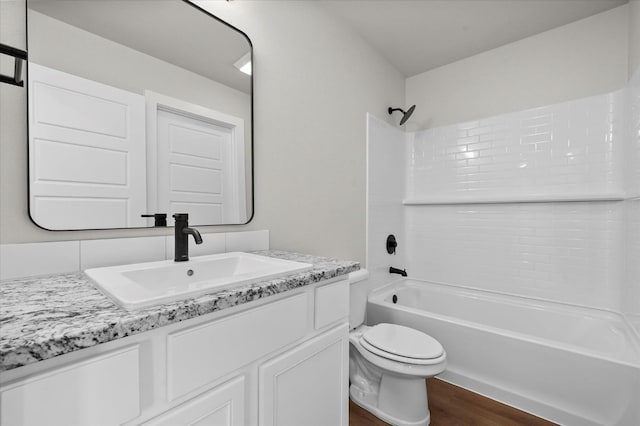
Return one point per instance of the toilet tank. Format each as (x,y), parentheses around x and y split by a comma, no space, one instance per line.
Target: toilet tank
(358,290)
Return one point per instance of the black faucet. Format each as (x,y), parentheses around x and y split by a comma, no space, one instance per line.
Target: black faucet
(393,270)
(182,237)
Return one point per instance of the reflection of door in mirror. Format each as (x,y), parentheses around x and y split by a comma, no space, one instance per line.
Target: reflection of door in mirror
(92,137)
(195,161)
(87,141)
(194,169)
(193,157)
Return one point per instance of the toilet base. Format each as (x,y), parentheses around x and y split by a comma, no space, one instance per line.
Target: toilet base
(370,402)
(393,391)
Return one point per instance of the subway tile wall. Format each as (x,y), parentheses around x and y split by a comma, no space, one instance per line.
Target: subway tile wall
(569,148)
(568,252)
(633,154)
(631,289)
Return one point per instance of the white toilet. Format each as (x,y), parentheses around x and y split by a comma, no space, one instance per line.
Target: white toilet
(388,364)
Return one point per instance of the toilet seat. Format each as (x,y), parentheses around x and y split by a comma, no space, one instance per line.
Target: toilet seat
(403,344)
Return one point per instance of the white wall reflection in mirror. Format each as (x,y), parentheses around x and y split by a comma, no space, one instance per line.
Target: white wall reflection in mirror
(136,108)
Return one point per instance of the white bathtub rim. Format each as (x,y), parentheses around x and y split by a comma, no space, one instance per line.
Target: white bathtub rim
(379,294)
(519,336)
(384,288)
(619,315)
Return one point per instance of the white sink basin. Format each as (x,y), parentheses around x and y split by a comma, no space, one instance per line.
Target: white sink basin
(147,284)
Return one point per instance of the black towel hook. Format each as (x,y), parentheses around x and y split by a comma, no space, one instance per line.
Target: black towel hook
(19,56)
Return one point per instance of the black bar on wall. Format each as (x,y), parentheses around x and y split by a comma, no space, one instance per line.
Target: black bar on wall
(19,56)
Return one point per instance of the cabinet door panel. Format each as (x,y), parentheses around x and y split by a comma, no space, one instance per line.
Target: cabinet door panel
(332,303)
(307,385)
(103,390)
(221,406)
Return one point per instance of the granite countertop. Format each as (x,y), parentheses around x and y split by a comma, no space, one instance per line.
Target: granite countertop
(47,316)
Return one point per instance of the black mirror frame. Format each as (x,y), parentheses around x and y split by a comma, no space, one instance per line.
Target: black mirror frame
(200,9)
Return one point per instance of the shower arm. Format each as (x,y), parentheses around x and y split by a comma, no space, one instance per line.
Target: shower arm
(405,114)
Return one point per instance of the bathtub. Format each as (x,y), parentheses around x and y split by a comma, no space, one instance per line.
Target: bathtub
(569,364)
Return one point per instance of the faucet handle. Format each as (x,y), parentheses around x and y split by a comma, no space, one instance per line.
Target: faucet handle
(160,219)
(391,244)
(181,217)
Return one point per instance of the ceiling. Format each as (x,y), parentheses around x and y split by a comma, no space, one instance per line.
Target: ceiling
(419,35)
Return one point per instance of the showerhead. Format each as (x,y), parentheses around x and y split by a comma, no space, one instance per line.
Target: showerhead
(405,115)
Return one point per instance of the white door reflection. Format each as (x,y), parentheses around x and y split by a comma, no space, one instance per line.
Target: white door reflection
(195,161)
(194,164)
(103,156)
(87,141)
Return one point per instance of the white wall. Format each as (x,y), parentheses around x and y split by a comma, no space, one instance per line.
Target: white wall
(315,80)
(580,59)
(634,36)
(12,16)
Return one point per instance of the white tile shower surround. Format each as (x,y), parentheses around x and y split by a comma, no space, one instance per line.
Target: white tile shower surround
(633,154)
(582,150)
(32,259)
(485,235)
(567,252)
(567,149)
(631,291)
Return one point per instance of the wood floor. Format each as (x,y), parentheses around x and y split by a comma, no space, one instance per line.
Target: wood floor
(451,405)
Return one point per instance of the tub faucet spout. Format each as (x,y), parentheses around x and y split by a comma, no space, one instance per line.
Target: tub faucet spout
(402,272)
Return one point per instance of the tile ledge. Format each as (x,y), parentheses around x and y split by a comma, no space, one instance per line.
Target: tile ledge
(616,196)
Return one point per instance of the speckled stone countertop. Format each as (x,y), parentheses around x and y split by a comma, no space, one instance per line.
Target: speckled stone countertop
(44,317)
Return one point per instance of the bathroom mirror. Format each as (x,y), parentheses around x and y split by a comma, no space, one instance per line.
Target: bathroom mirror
(137,107)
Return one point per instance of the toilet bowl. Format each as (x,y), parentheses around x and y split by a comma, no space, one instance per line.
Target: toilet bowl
(388,365)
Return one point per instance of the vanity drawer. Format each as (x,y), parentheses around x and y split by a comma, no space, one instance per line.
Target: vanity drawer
(103,390)
(332,303)
(202,354)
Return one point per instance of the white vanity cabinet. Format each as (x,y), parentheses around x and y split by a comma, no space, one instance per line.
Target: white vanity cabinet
(280,360)
(99,390)
(307,385)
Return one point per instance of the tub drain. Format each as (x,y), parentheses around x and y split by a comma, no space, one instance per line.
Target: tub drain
(394,299)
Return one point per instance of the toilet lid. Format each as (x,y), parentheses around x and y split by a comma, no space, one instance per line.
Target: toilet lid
(403,341)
